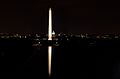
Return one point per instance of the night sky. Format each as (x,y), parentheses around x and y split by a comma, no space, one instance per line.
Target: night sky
(70,16)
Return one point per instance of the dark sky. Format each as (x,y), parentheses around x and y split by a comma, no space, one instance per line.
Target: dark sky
(70,16)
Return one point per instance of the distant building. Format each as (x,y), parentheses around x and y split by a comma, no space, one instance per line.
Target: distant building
(53,33)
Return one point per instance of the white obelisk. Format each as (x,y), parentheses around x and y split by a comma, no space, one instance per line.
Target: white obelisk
(50,25)
(50,38)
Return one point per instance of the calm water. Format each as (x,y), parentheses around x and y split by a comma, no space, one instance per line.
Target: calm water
(70,60)
(74,60)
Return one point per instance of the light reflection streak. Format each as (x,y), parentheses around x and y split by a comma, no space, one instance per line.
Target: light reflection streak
(49,59)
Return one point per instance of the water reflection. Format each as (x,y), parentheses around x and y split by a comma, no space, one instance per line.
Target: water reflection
(49,59)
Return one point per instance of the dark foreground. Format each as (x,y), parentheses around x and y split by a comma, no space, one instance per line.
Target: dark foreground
(74,59)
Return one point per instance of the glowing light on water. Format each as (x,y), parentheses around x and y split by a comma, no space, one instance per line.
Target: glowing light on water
(49,59)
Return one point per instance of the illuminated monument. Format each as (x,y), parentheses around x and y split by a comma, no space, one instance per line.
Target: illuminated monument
(50,39)
(50,25)
(51,33)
